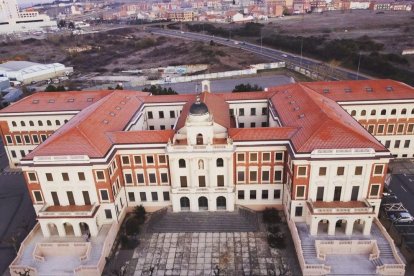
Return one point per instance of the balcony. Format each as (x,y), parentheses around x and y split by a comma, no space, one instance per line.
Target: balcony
(195,190)
(340,207)
(69,211)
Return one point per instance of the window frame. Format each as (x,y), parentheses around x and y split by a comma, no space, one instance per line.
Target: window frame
(370,190)
(100,179)
(107,194)
(304,192)
(41,196)
(241,154)
(375,168)
(301,175)
(36,179)
(128,163)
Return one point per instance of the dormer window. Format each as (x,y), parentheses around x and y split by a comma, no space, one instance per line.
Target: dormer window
(199,140)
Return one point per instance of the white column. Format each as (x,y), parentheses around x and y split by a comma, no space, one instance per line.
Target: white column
(210,172)
(331,228)
(172,167)
(229,176)
(230,202)
(314,227)
(367,226)
(190,183)
(77,230)
(61,229)
(45,230)
(93,229)
(349,227)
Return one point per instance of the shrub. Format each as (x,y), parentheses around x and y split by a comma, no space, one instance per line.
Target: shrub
(132,226)
(271,215)
(139,213)
(274,229)
(276,241)
(124,241)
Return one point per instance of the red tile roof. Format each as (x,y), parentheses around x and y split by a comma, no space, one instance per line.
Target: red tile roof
(141,137)
(363,90)
(321,122)
(261,133)
(56,101)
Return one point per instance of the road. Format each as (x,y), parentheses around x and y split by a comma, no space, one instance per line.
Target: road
(17,216)
(331,72)
(403,187)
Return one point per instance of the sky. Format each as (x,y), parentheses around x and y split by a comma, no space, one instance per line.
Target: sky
(25,3)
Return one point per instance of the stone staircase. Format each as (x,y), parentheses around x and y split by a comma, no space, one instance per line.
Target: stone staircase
(386,252)
(377,262)
(202,222)
(309,251)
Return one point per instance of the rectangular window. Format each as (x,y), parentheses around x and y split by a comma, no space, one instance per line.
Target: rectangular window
(371,129)
(35,139)
(240,176)
(201,181)
(322,171)
(183,181)
(279,156)
(49,177)
(152,178)
(13,153)
(397,144)
(166,196)
(276,194)
(65,176)
(172,114)
(387,144)
(150,116)
(140,178)
(150,159)
(400,128)
(354,193)
(253,176)
(137,160)
(298,211)
(220,180)
(240,195)
(265,176)
(43,137)
(253,157)
(86,198)
(55,198)
(161,114)
(358,170)
(253,111)
(128,178)
(410,128)
(18,139)
(151,127)
(265,194)
(241,125)
(162,159)
(378,169)
(108,213)
(9,139)
(240,157)
(302,170)
(100,175)
(22,153)
(390,129)
(406,143)
(374,190)
(164,177)
(71,198)
(278,176)
(253,194)
(264,110)
(300,191)
(125,160)
(241,112)
(162,127)
(340,171)
(32,176)
(337,193)
(266,156)
(154,196)
(81,176)
(253,124)
(104,195)
(380,129)
(319,193)
(26,139)
(38,196)
(143,196)
(264,124)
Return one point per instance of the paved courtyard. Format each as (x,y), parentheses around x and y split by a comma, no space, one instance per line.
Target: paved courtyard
(237,253)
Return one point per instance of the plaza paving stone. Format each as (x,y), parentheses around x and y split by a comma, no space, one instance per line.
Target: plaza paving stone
(238,253)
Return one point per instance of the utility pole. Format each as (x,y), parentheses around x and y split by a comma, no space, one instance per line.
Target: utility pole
(359,63)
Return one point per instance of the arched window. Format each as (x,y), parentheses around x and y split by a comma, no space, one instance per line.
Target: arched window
(404,111)
(373,112)
(363,112)
(48,122)
(200,139)
(220,162)
(184,204)
(14,123)
(412,111)
(353,112)
(393,112)
(57,122)
(384,112)
(40,123)
(181,163)
(22,123)
(31,123)
(66,121)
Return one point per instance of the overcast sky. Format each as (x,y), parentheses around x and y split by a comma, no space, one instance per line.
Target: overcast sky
(25,3)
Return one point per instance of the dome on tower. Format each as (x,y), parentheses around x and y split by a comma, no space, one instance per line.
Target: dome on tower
(198,108)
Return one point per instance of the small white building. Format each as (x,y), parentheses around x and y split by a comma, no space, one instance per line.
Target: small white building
(26,71)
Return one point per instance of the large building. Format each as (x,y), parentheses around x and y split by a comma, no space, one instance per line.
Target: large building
(12,20)
(89,157)
(27,71)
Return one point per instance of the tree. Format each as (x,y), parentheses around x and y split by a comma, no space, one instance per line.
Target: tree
(158,90)
(139,213)
(50,88)
(62,23)
(247,88)
(119,87)
(71,25)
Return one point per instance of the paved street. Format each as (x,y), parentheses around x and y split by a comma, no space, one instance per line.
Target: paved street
(17,215)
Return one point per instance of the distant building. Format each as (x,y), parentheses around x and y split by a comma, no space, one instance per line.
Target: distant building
(26,72)
(184,16)
(12,20)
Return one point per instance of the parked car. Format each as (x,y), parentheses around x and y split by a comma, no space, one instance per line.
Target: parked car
(401,217)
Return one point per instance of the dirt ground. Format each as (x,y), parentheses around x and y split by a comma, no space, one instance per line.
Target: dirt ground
(124,49)
(393,29)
